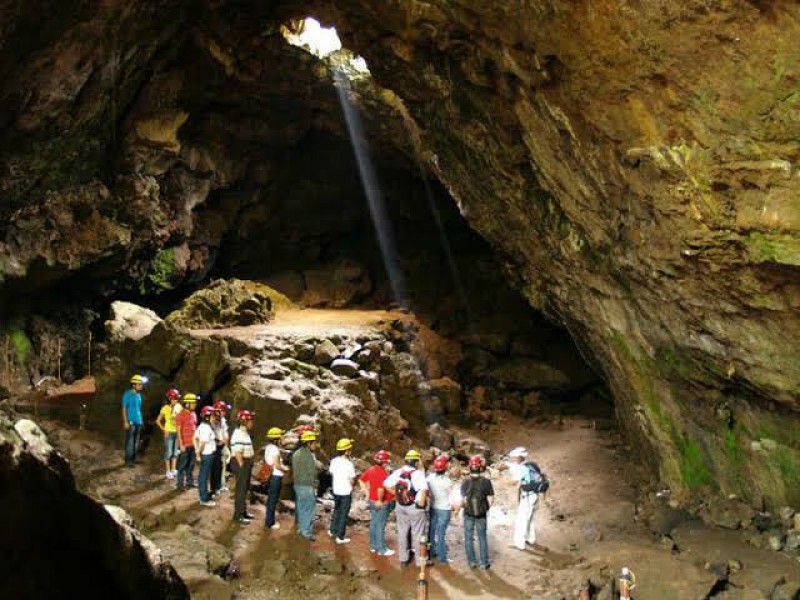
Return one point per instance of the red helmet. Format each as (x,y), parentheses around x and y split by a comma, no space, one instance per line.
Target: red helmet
(381,457)
(476,463)
(301,429)
(173,394)
(207,411)
(440,463)
(221,407)
(246,415)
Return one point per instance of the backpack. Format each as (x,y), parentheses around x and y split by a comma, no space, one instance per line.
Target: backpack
(475,504)
(404,492)
(533,480)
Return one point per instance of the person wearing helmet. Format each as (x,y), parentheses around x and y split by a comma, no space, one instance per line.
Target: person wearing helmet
(524,528)
(441,491)
(273,458)
(205,446)
(186,423)
(166,423)
(222,455)
(343,474)
(380,502)
(304,466)
(476,492)
(132,417)
(242,451)
(411,492)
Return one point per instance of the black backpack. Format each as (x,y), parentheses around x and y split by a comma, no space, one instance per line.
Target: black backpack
(476,504)
(404,491)
(534,480)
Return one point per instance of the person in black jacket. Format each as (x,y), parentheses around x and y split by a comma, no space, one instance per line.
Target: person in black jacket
(476,493)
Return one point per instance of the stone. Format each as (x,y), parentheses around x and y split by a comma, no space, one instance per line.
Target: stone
(325,353)
(796,521)
(440,437)
(793,539)
(344,367)
(786,513)
(449,394)
(775,541)
(129,321)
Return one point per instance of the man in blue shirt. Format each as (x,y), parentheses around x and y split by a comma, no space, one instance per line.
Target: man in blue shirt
(132,417)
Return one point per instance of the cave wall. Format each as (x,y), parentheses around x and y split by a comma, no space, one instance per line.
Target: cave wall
(633,165)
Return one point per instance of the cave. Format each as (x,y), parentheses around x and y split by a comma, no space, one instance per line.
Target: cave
(566,216)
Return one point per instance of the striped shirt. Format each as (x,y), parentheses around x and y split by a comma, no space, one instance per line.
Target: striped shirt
(241,442)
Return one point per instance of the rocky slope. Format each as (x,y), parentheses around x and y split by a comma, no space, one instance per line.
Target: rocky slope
(633,165)
(54,535)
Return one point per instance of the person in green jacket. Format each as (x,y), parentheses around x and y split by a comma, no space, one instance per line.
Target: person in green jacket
(304,466)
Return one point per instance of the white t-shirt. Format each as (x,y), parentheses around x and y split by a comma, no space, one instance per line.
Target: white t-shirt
(516,470)
(343,473)
(206,439)
(441,487)
(272,456)
(417,478)
(241,442)
(221,430)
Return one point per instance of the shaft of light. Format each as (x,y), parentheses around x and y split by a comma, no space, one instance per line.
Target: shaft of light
(371,185)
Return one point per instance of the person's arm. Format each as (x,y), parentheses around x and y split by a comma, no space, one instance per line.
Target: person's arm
(489,493)
(161,420)
(196,441)
(125,422)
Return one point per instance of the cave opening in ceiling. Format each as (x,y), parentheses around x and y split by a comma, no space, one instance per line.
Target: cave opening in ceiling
(324,43)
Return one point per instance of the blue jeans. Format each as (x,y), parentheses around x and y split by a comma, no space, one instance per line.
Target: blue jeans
(203,477)
(185,467)
(273,495)
(440,519)
(377,525)
(170,446)
(305,505)
(131,443)
(341,508)
(471,525)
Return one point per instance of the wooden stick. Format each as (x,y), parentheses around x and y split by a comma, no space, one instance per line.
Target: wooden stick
(89,353)
(59,360)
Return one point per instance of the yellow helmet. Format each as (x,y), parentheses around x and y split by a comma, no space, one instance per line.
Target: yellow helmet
(413,455)
(275,433)
(309,436)
(190,398)
(344,444)
(139,379)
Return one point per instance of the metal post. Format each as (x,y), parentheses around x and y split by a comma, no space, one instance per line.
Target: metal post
(422,583)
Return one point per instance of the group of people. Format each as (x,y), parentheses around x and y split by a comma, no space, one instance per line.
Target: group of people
(424,503)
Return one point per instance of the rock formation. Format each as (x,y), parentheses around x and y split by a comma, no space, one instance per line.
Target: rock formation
(59,543)
(633,167)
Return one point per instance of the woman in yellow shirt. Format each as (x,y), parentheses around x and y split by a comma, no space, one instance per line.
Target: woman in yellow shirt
(166,423)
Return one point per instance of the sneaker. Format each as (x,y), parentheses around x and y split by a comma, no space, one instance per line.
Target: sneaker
(372,551)
(473,566)
(249,516)
(486,567)
(174,473)
(387,552)
(169,475)
(224,488)
(275,526)
(242,521)
(341,541)
(208,503)
(446,561)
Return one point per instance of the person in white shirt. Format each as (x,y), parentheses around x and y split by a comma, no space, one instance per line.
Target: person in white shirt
(411,490)
(344,474)
(223,454)
(442,490)
(242,451)
(272,456)
(524,526)
(205,446)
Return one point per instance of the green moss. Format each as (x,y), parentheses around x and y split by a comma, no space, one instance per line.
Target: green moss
(669,362)
(162,272)
(733,450)
(779,249)
(21,344)
(693,466)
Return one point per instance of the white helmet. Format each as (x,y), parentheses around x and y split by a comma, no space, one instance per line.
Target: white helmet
(518,452)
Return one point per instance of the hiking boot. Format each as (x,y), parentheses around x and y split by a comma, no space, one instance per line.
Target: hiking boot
(341,541)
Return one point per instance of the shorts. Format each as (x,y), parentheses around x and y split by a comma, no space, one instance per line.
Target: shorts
(170,446)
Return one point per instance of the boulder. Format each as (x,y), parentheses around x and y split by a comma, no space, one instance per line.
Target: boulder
(130,322)
(449,394)
(325,353)
(793,539)
(440,437)
(345,367)
(336,285)
(227,303)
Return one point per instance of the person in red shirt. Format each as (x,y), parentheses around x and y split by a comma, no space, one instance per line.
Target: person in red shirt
(380,502)
(186,423)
